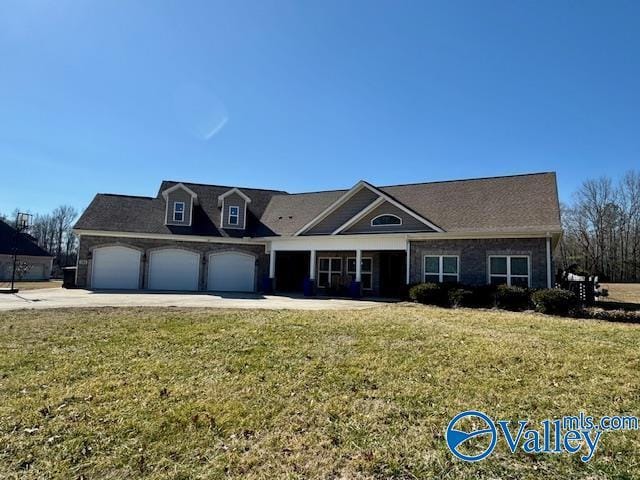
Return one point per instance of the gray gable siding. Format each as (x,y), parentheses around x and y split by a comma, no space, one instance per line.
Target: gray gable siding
(409,223)
(179,195)
(233,200)
(344,212)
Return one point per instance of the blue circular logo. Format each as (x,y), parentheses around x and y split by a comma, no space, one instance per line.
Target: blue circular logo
(471,425)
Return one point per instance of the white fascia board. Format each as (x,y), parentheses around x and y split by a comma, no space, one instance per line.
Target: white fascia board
(169,236)
(340,242)
(193,194)
(405,209)
(318,218)
(473,235)
(229,192)
(383,241)
(379,201)
(355,189)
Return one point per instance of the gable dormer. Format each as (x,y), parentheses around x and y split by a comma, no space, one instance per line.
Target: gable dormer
(233,209)
(179,205)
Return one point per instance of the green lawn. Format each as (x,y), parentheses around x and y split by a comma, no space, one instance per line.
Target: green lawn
(167,393)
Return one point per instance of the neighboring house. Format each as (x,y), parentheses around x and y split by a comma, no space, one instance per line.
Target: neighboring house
(208,237)
(37,262)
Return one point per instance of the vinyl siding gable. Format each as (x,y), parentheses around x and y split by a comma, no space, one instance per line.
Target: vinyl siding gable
(409,223)
(234,200)
(343,213)
(179,195)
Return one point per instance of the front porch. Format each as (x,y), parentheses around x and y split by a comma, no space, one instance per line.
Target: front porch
(339,273)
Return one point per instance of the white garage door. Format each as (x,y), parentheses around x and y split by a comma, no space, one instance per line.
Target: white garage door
(115,268)
(231,272)
(174,269)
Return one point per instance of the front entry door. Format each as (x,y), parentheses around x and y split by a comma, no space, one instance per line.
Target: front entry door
(392,274)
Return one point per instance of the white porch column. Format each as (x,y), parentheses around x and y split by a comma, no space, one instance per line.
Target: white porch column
(312,265)
(358,265)
(549,277)
(272,264)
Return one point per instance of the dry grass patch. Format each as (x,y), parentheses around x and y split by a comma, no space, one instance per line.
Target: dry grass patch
(167,393)
(623,292)
(35,285)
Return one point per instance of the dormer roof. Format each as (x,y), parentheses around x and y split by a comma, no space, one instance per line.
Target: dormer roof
(235,190)
(166,192)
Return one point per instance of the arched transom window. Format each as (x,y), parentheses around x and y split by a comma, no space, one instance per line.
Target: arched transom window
(386,219)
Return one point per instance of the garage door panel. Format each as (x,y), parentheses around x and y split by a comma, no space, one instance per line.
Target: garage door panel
(115,267)
(174,269)
(231,272)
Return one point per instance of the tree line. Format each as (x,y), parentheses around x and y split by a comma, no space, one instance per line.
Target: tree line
(602,229)
(53,232)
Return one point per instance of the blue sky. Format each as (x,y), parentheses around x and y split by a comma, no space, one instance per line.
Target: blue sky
(114,96)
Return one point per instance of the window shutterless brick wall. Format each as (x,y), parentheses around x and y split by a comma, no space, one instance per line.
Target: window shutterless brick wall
(474,257)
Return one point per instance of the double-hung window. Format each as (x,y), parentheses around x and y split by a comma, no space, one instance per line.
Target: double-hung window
(512,270)
(441,268)
(178,212)
(366,271)
(329,271)
(234,215)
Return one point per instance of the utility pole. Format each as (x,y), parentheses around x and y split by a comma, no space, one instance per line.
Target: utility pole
(22,224)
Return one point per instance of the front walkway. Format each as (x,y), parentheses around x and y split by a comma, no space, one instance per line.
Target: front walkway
(62,298)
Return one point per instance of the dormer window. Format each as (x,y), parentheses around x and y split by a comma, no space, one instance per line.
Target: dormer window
(386,220)
(234,215)
(178,212)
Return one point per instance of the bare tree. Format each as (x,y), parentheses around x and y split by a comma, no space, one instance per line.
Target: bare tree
(63,218)
(602,229)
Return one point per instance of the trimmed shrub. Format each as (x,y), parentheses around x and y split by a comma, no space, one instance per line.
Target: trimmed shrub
(483,296)
(554,301)
(512,298)
(461,297)
(428,294)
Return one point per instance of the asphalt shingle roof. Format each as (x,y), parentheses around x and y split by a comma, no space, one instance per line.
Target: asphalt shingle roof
(26,244)
(518,203)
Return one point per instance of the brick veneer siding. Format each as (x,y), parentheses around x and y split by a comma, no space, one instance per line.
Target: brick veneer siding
(474,256)
(88,243)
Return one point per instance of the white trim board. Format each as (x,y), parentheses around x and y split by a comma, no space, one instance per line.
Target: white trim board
(355,189)
(232,191)
(168,236)
(165,193)
(383,225)
(368,209)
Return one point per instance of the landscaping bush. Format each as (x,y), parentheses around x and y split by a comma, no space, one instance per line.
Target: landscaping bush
(512,298)
(483,296)
(461,297)
(626,316)
(554,301)
(428,294)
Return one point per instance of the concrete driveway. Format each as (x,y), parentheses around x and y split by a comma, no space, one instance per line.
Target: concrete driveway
(62,298)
